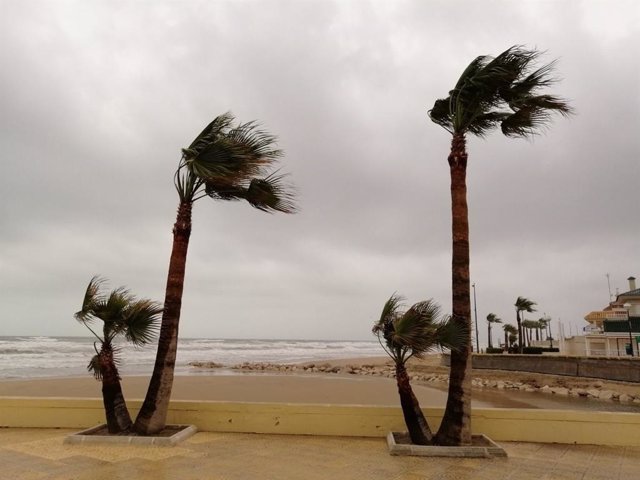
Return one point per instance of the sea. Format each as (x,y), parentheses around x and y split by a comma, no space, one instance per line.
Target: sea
(41,357)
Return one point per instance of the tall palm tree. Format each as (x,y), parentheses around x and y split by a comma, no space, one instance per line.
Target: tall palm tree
(122,315)
(224,162)
(412,334)
(492,318)
(502,91)
(522,305)
(509,332)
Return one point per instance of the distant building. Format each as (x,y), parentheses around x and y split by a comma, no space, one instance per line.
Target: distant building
(613,331)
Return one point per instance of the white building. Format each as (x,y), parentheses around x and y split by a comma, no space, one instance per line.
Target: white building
(612,331)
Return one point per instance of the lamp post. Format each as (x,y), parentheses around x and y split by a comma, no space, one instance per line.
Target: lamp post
(627,307)
(475,311)
(548,322)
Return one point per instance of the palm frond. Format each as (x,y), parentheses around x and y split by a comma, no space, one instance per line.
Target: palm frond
(416,331)
(141,322)
(91,298)
(93,367)
(525,305)
(271,194)
(500,91)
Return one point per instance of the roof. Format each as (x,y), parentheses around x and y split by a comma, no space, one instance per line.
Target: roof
(631,293)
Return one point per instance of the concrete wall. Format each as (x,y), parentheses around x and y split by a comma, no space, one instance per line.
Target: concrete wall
(542,426)
(619,369)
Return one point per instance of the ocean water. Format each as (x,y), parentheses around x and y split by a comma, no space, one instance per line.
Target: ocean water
(38,357)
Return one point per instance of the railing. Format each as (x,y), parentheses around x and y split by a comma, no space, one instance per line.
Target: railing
(607,315)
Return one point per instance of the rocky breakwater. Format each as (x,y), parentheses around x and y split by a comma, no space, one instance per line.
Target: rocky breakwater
(547,384)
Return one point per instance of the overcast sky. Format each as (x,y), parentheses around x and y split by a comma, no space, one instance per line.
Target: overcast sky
(98,97)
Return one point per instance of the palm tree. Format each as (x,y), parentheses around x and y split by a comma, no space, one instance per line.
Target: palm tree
(510,333)
(530,326)
(522,305)
(502,91)
(492,318)
(122,315)
(224,162)
(412,334)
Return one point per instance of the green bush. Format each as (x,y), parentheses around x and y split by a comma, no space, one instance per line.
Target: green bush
(550,349)
(494,350)
(532,350)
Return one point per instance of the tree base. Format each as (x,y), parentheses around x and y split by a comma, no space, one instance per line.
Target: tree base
(170,436)
(481,447)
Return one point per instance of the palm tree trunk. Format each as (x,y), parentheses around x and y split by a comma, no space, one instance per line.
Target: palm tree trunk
(520,336)
(455,428)
(115,407)
(489,334)
(153,413)
(417,425)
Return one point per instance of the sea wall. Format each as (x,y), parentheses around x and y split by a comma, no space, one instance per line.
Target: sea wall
(616,369)
(520,425)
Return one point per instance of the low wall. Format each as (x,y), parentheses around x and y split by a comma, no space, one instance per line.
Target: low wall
(618,369)
(540,426)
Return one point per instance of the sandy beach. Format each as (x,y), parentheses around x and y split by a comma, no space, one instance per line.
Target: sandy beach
(307,386)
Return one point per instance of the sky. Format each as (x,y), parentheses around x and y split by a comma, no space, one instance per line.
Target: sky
(97,99)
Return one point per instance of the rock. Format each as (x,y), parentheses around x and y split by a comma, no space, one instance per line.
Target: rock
(606,395)
(593,393)
(598,384)
(560,391)
(624,398)
(546,389)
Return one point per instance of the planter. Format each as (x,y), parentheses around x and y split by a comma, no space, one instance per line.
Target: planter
(170,436)
(481,447)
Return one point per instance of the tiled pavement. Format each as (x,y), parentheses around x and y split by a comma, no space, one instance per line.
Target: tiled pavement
(39,454)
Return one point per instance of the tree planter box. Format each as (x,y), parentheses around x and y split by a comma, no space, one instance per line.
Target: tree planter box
(481,447)
(170,436)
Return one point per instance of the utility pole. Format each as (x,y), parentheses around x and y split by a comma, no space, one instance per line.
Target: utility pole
(475,311)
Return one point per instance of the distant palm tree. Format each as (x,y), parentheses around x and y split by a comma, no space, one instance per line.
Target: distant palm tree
(412,334)
(503,91)
(510,333)
(492,318)
(122,315)
(529,326)
(224,162)
(522,305)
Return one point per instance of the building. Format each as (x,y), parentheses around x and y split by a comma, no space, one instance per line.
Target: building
(614,330)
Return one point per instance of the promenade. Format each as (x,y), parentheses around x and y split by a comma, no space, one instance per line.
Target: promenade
(39,454)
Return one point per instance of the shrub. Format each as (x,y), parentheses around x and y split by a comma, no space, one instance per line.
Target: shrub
(532,350)
(551,349)
(494,350)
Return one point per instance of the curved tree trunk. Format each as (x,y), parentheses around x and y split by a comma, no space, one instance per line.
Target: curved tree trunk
(153,414)
(115,407)
(417,425)
(455,428)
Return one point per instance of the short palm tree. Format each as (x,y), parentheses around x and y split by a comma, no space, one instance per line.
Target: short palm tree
(491,319)
(491,92)
(522,305)
(529,326)
(122,315)
(225,162)
(510,334)
(412,334)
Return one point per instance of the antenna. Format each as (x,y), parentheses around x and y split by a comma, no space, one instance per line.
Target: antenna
(609,285)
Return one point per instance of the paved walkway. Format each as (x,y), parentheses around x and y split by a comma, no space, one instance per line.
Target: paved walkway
(39,454)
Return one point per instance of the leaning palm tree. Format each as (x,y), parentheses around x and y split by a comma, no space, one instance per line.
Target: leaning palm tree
(503,91)
(224,162)
(122,315)
(522,305)
(510,334)
(412,334)
(491,319)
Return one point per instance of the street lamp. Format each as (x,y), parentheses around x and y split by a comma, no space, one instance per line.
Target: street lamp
(548,323)
(627,307)
(475,311)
